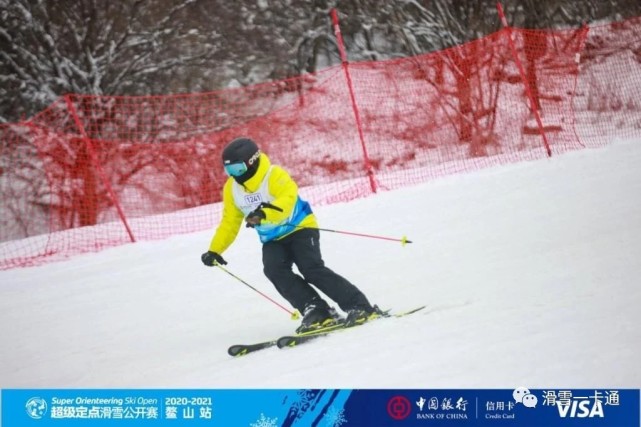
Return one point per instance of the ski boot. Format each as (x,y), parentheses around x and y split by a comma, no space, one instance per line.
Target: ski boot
(317,315)
(362,314)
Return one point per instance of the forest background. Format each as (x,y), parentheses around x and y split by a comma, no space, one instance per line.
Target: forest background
(146,47)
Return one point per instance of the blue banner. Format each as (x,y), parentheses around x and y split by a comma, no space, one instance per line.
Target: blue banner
(324,407)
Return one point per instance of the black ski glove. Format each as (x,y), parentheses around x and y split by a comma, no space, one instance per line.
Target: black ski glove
(210,259)
(254,218)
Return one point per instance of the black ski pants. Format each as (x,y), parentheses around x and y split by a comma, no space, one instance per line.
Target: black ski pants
(302,248)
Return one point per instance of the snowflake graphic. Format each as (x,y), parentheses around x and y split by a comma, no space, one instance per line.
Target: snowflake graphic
(263,421)
(335,418)
(305,400)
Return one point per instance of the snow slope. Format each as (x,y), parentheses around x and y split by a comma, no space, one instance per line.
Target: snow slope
(530,271)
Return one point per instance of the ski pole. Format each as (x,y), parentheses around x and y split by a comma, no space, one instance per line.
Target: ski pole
(294,314)
(403,240)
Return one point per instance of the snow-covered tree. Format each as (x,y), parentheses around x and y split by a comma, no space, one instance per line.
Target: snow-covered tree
(135,47)
(53,47)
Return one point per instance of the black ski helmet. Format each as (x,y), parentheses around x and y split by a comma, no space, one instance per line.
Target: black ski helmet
(242,150)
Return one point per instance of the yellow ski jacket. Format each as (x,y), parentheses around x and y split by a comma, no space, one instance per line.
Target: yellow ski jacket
(283,192)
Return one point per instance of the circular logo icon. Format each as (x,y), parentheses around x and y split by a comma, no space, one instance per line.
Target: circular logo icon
(36,408)
(399,407)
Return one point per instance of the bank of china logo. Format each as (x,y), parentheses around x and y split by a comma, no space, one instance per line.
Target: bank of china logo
(399,407)
(523,395)
(36,408)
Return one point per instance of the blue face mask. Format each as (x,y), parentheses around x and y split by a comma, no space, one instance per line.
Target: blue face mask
(235,169)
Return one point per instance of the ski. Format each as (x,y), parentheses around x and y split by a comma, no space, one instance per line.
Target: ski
(238,350)
(294,340)
(243,349)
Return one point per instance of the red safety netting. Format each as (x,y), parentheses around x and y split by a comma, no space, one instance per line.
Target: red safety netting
(96,171)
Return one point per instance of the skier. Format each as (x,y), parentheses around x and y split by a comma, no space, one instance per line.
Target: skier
(266,197)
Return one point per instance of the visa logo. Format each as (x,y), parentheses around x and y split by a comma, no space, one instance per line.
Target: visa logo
(581,409)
